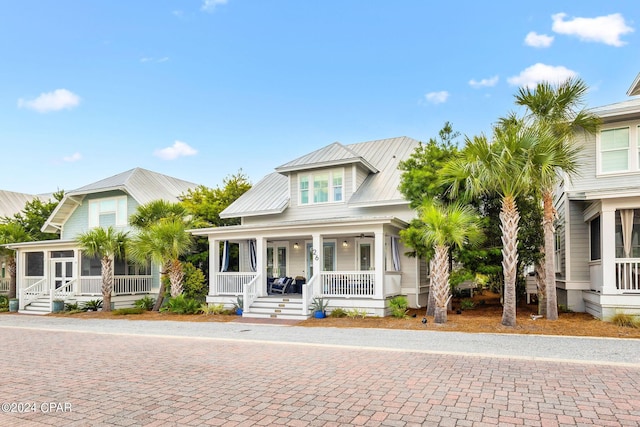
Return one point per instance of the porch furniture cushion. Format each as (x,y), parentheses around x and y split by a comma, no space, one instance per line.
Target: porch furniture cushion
(280,285)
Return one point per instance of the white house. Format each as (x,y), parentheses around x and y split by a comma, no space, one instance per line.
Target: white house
(57,269)
(598,245)
(328,223)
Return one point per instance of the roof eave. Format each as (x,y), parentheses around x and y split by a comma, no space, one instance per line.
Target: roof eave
(318,165)
(635,87)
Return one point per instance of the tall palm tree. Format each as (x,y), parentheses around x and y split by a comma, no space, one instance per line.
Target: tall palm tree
(446,226)
(12,233)
(164,242)
(500,166)
(152,212)
(560,109)
(107,244)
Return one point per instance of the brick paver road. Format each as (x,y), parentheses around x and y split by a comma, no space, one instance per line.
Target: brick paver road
(67,378)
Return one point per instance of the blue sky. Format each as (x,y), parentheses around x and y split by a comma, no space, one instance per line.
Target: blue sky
(199,89)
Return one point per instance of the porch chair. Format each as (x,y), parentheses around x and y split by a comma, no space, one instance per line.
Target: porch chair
(280,285)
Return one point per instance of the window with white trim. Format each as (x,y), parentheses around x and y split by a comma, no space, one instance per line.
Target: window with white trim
(325,187)
(108,212)
(614,150)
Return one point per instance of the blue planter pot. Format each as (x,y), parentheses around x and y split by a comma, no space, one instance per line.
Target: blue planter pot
(239,311)
(13,305)
(319,315)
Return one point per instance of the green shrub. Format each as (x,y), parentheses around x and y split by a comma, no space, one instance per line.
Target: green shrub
(128,310)
(625,320)
(194,285)
(92,305)
(355,313)
(399,306)
(564,309)
(145,302)
(208,309)
(4,302)
(182,305)
(467,304)
(338,312)
(72,306)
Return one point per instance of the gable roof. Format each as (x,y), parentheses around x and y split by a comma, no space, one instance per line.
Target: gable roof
(11,203)
(332,155)
(635,87)
(142,185)
(618,111)
(379,157)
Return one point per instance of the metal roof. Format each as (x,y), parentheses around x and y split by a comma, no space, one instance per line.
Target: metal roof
(380,157)
(635,87)
(11,203)
(331,155)
(141,184)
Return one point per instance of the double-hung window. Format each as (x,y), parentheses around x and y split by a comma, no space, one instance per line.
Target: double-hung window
(321,187)
(108,212)
(614,150)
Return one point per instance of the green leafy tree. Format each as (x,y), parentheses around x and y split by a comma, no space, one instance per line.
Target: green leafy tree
(107,244)
(559,108)
(164,241)
(446,226)
(12,233)
(33,216)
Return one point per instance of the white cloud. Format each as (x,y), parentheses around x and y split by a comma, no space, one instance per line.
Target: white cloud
(59,99)
(484,82)
(72,158)
(146,59)
(537,73)
(602,29)
(437,97)
(534,39)
(210,5)
(178,149)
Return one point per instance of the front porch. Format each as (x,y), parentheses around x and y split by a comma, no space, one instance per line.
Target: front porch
(353,267)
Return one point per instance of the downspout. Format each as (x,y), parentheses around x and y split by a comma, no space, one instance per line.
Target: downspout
(418,306)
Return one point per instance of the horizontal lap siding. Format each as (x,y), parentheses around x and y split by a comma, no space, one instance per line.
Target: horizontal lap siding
(78,222)
(579,241)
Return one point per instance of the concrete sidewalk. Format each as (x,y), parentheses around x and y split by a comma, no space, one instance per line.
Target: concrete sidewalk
(76,372)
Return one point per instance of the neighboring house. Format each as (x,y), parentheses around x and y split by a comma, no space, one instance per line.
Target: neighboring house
(57,269)
(11,203)
(328,221)
(597,244)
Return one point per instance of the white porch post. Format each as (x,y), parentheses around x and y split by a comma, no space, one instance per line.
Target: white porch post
(379,264)
(316,257)
(214,265)
(261,264)
(608,255)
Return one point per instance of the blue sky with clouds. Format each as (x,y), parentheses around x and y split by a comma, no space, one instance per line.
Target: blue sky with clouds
(198,89)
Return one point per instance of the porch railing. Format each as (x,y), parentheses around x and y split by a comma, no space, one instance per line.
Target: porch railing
(250,293)
(308,294)
(65,291)
(347,283)
(4,285)
(628,275)
(233,283)
(34,288)
(129,285)
(90,285)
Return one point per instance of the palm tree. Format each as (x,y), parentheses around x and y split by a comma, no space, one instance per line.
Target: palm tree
(446,226)
(107,244)
(12,233)
(164,241)
(503,167)
(152,212)
(558,108)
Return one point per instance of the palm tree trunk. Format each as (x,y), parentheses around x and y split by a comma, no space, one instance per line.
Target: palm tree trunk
(161,291)
(549,214)
(11,267)
(509,219)
(431,302)
(542,287)
(440,284)
(176,274)
(107,283)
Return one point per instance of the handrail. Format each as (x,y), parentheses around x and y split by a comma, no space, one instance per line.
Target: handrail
(308,294)
(33,292)
(65,291)
(250,293)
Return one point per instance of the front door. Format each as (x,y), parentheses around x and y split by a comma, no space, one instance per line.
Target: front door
(62,271)
(277,257)
(365,254)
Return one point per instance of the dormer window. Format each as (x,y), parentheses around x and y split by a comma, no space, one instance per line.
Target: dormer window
(108,212)
(321,187)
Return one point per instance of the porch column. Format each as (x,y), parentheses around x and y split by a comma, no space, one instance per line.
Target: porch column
(379,264)
(214,265)
(316,260)
(261,264)
(608,255)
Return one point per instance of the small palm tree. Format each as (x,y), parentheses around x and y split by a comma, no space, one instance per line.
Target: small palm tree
(12,233)
(107,244)
(500,166)
(446,226)
(164,241)
(560,110)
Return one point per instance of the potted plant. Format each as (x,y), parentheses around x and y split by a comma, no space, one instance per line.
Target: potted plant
(238,305)
(57,305)
(318,307)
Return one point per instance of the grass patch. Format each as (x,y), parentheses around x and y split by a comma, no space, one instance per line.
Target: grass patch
(128,310)
(625,320)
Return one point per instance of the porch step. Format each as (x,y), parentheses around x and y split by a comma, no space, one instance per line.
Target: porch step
(39,306)
(276,308)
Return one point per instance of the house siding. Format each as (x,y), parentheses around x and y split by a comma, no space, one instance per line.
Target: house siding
(561,230)
(579,241)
